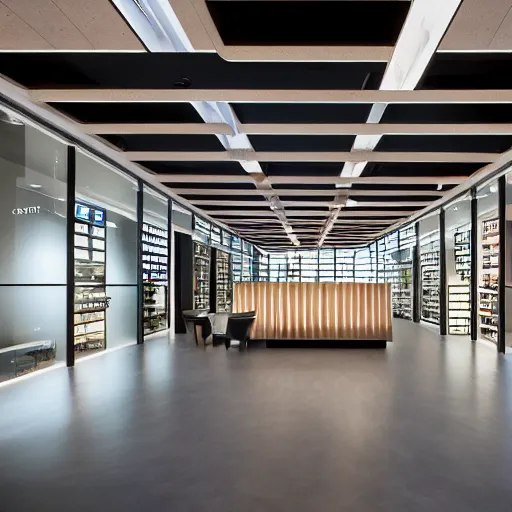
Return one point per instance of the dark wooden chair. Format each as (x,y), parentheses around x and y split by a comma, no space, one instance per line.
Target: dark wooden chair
(238,328)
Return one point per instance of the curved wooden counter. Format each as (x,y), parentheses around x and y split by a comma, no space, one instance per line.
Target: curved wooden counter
(317,311)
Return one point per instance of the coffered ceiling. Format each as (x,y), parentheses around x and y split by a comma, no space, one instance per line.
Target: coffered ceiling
(295,122)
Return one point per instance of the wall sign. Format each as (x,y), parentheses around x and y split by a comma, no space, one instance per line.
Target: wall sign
(29,210)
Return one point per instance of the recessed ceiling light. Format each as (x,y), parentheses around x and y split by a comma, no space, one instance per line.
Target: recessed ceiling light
(60,199)
(493,188)
(35,185)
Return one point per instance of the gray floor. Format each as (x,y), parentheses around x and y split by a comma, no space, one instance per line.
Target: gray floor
(425,425)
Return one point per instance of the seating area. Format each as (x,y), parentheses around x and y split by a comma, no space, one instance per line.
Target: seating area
(230,327)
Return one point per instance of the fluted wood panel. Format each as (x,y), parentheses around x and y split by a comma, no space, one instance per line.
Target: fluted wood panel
(338,311)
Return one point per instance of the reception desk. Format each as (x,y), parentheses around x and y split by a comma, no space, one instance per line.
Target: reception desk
(355,312)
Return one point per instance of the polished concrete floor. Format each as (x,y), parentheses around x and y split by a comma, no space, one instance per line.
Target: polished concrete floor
(425,425)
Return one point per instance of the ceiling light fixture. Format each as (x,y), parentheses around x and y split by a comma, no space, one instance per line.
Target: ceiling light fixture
(35,185)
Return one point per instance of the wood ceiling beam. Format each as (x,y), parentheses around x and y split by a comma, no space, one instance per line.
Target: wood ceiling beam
(254,221)
(254,204)
(376,129)
(309,213)
(309,156)
(305,192)
(98,95)
(315,180)
(297,129)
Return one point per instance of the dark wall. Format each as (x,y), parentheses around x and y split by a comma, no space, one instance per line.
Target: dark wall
(183,278)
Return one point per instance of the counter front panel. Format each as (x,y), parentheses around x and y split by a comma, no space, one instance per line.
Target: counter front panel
(337,311)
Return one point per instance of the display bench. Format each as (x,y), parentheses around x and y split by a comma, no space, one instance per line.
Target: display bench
(352,312)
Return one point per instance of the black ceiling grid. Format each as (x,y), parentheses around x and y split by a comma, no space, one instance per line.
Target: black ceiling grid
(290,22)
(311,189)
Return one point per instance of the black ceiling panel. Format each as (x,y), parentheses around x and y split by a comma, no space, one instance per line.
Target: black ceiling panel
(308,186)
(215,197)
(468,71)
(317,22)
(181,70)
(448,113)
(412,196)
(414,188)
(302,169)
(130,112)
(302,142)
(165,142)
(198,168)
(236,208)
(315,113)
(444,143)
(205,185)
(437,169)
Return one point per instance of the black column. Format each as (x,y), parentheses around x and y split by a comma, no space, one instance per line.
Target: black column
(184,278)
(502,184)
(442,272)
(416,277)
(170,241)
(213,280)
(140,284)
(70,258)
(473,278)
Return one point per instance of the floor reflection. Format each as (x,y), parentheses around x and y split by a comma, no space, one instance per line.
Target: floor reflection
(422,425)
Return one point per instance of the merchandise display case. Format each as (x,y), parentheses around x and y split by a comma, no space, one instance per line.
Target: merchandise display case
(202,230)
(327,265)
(155,277)
(458,309)
(236,267)
(488,281)
(430,279)
(226,240)
(462,254)
(260,266)
(293,268)
(91,301)
(246,268)
(201,276)
(278,267)
(224,285)
(401,290)
(308,266)
(216,236)
(362,266)
(344,265)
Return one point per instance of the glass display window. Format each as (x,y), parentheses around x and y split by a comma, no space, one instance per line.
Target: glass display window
(458,264)
(430,269)
(488,232)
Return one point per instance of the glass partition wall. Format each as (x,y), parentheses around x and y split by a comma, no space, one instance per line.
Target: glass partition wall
(33,174)
(105,260)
